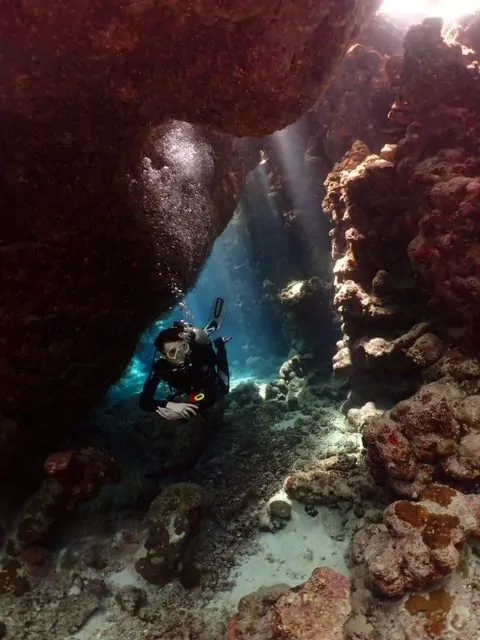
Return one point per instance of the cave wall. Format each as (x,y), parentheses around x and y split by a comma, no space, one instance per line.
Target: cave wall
(283,204)
(405,224)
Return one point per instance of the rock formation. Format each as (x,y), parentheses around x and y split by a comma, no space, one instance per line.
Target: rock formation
(406,278)
(317,609)
(402,219)
(172,520)
(420,542)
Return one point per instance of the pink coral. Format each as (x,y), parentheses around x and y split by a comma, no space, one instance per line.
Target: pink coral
(418,544)
(387,444)
(82,473)
(421,435)
(316,610)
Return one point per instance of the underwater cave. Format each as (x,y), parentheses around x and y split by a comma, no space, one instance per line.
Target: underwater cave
(240,319)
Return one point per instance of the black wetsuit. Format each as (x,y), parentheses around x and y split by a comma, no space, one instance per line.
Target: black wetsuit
(204,374)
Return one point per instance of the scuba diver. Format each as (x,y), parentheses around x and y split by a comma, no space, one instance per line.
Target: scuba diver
(195,370)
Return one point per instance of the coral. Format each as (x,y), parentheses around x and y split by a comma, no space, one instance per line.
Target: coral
(433,433)
(131,599)
(256,614)
(419,541)
(465,463)
(425,351)
(331,481)
(373,278)
(435,607)
(317,609)
(421,264)
(72,478)
(172,520)
(280,506)
(358,417)
(291,369)
(82,474)
(436,156)
(245,397)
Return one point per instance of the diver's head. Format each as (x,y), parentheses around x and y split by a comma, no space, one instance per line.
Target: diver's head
(173,345)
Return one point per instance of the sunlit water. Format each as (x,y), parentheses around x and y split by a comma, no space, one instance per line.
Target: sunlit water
(449,10)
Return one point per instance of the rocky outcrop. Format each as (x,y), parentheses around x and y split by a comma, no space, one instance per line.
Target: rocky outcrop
(308,314)
(357,102)
(294,166)
(172,520)
(420,263)
(433,434)
(72,478)
(331,481)
(376,293)
(317,609)
(419,542)
(404,243)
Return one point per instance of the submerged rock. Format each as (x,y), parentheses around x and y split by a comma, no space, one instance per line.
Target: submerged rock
(317,609)
(172,520)
(73,477)
(280,506)
(131,599)
(419,543)
(330,482)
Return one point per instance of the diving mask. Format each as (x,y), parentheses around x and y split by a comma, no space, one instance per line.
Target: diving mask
(178,352)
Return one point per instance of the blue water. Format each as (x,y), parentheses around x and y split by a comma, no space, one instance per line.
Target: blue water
(257,348)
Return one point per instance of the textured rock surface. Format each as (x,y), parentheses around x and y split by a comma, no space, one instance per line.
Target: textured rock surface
(432,175)
(317,609)
(375,291)
(109,253)
(72,478)
(271,58)
(172,520)
(331,481)
(419,542)
(433,434)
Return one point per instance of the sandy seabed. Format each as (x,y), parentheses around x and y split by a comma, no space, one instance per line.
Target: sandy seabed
(235,557)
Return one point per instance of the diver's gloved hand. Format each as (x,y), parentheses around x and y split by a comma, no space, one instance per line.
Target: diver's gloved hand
(177,411)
